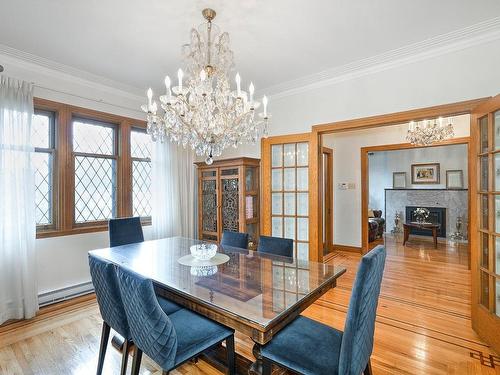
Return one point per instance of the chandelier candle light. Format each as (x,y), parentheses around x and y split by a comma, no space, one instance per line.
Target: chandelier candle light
(426,132)
(202,110)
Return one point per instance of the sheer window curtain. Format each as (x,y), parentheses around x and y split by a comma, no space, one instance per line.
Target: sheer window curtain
(18,291)
(173,191)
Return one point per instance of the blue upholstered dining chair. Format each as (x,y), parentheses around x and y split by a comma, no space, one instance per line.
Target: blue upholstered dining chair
(235,239)
(110,304)
(323,350)
(276,246)
(125,231)
(169,340)
(112,310)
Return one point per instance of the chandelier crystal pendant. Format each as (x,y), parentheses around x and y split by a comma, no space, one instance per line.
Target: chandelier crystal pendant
(203,111)
(426,132)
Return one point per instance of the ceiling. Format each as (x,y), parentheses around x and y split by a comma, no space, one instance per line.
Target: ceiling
(274,41)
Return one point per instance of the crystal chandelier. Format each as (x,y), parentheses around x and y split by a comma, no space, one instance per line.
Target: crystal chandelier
(426,132)
(203,111)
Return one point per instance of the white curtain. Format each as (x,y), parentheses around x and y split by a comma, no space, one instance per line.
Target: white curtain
(173,191)
(18,291)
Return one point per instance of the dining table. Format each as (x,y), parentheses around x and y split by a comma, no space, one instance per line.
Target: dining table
(253,292)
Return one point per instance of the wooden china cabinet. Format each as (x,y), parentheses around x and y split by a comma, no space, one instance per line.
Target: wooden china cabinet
(228,198)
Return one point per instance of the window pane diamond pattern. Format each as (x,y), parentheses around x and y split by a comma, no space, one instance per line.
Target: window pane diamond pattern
(92,138)
(141,188)
(140,145)
(40,131)
(42,163)
(95,188)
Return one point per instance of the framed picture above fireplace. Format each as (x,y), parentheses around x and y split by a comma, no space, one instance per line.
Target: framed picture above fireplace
(399,180)
(454,179)
(427,173)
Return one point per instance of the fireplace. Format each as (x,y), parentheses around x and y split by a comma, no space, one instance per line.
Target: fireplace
(437,216)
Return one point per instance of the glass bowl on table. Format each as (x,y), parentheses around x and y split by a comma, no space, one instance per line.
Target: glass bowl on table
(203,251)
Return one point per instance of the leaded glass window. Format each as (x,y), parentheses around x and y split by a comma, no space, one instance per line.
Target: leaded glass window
(95,160)
(43,140)
(140,149)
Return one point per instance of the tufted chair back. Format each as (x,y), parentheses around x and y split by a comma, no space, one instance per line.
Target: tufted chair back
(150,327)
(357,340)
(235,239)
(276,246)
(108,295)
(125,231)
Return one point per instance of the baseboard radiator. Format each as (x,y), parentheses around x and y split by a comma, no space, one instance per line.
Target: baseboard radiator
(63,294)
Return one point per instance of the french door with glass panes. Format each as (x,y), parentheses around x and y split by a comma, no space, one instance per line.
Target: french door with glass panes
(485,221)
(285,188)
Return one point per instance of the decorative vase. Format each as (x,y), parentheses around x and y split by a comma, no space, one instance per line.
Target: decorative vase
(397,223)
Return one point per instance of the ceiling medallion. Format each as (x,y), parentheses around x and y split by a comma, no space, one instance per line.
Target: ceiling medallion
(427,132)
(202,111)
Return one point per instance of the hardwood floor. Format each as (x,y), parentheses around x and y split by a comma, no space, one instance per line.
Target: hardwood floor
(423,323)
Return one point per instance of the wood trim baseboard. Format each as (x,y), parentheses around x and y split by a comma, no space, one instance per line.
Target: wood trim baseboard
(351,249)
(49,311)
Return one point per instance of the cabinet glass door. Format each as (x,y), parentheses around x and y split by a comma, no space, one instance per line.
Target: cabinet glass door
(209,196)
(485,265)
(230,205)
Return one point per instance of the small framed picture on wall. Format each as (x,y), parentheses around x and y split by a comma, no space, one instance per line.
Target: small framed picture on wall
(454,179)
(399,180)
(427,173)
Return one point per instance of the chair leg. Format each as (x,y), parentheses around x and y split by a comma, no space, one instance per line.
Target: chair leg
(266,367)
(368,369)
(136,362)
(103,347)
(126,348)
(231,368)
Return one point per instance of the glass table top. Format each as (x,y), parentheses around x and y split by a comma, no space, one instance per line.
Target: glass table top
(255,286)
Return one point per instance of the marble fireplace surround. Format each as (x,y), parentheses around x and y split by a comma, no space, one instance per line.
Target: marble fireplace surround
(455,201)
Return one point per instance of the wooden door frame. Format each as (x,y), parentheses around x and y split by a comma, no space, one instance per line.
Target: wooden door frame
(329,197)
(314,181)
(372,122)
(365,183)
(482,319)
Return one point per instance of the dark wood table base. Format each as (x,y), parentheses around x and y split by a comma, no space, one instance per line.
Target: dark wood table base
(407,229)
(216,357)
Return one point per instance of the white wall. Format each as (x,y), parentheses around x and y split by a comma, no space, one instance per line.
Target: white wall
(62,261)
(382,164)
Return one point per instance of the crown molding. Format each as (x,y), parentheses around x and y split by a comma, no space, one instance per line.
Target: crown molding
(67,73)
(467,37)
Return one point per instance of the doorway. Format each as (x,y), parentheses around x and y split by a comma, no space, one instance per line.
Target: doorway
(390,192)
(327,198)
(484,238)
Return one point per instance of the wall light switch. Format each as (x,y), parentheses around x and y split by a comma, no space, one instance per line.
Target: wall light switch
(346,186)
